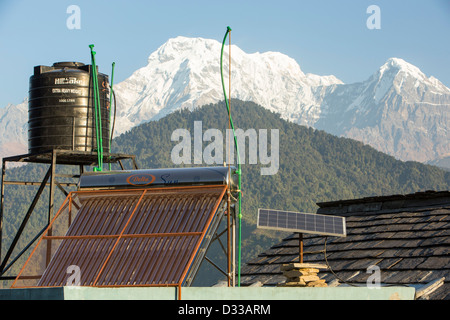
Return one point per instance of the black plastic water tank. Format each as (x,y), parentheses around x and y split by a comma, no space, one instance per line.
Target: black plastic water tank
(61,108)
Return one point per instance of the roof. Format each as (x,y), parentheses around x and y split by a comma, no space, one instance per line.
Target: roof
(406,236)
(126,237)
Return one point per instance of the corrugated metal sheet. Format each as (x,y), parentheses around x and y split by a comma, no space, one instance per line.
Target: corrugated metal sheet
(130,237)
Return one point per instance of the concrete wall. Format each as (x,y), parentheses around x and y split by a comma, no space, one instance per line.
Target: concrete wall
(209,293)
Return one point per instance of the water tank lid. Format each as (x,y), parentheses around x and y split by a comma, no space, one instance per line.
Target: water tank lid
(67,64)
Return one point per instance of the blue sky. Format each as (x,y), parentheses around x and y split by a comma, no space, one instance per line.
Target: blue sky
(323,36)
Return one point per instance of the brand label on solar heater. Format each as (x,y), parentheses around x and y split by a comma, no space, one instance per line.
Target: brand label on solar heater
(141,179)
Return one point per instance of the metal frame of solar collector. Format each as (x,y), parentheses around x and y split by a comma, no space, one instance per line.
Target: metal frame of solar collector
(125,228)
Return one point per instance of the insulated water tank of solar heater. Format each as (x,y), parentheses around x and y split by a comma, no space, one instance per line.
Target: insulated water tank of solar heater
(157,178)
(61,112)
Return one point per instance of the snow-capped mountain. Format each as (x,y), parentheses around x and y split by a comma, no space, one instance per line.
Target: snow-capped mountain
(397,110)
(14,129)
(185,73)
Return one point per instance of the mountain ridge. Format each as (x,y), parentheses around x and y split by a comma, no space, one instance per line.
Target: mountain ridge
(401,114)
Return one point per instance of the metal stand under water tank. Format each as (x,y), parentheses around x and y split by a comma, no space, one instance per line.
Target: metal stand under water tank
(53,158)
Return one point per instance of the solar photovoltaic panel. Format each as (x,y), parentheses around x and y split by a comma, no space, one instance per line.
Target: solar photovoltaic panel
(301,222)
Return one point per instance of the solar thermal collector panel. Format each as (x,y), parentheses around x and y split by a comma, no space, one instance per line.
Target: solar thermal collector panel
(136,237)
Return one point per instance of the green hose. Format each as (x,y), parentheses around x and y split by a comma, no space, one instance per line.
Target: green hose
(239,172)
(97,111)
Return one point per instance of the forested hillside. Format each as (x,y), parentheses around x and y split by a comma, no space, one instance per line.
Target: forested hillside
(314,166)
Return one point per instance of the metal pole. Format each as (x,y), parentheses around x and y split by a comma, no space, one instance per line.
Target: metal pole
(228,238)
(23,251)
(81,173)
(52,187)
(300,246)
(233,226)
(216,266)
(1,206)
(134,162)
(25,220)
(51,204)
